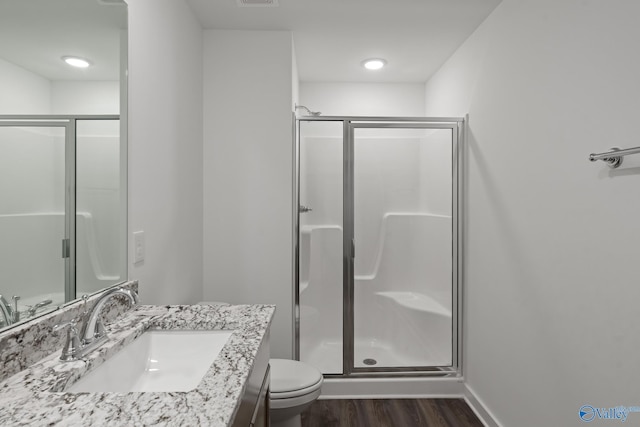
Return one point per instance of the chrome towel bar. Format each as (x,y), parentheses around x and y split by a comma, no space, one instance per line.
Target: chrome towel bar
(614,157)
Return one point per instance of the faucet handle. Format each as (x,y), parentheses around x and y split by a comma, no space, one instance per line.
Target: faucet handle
(72,345)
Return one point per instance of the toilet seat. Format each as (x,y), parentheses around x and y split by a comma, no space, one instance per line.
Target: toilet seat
(296,393)
(295,401)
(291,379)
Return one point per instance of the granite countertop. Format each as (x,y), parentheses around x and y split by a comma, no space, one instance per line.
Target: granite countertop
(35,396)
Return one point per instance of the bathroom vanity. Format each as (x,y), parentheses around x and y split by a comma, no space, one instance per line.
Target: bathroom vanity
(233,390)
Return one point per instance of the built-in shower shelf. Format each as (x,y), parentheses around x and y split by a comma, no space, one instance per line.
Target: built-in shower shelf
(416,301)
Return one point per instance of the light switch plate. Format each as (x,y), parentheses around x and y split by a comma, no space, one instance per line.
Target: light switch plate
(138,247)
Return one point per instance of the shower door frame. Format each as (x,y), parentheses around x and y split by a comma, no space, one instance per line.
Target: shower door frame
(349,124)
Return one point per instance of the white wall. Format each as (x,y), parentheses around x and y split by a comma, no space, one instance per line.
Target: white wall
(23,92)
(165,149)
(295,78)
(90,97)
(552,246)
(363,99)
(248,173)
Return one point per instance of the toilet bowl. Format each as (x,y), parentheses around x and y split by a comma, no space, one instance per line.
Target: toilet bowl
(294,387)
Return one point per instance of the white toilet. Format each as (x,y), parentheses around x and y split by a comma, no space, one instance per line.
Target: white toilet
(294,386)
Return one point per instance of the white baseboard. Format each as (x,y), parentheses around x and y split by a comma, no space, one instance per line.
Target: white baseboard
(392,388)
(479,408)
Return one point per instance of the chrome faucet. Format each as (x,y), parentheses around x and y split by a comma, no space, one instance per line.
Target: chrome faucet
(93,335)
(93,328)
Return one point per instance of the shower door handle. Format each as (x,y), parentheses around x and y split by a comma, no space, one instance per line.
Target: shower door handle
(66,248)
(353,248)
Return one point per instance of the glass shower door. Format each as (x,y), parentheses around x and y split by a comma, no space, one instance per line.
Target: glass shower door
(33,224)
(403,234)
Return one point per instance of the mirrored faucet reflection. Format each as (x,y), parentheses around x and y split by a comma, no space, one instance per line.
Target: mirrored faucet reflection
(9,311)
(34,308)
(6,311)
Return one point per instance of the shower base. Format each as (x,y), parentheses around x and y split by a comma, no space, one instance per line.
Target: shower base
(327,356)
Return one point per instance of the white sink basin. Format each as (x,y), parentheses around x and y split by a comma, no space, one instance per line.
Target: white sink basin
(157,361)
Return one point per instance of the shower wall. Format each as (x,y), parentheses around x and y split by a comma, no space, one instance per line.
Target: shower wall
(32,164)
(398,175)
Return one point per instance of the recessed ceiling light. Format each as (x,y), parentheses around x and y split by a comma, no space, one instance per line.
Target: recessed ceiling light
(374,63)
(74,61)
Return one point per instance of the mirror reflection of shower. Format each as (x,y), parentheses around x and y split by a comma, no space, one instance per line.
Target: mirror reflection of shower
(309,112)
(60,131)
(50,255)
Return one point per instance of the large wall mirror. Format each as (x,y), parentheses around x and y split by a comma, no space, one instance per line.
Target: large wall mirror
(63,156)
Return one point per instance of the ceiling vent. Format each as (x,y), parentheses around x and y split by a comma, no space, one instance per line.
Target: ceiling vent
(257,3)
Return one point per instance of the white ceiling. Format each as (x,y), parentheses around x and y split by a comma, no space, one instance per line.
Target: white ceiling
(333,37)
(35,34)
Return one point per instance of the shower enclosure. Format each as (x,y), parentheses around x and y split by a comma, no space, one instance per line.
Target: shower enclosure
(378,244)
(63,210)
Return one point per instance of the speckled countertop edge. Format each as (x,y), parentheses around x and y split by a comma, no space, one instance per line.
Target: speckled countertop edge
(33,397)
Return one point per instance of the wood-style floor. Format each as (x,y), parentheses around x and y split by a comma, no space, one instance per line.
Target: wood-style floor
(390,413)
